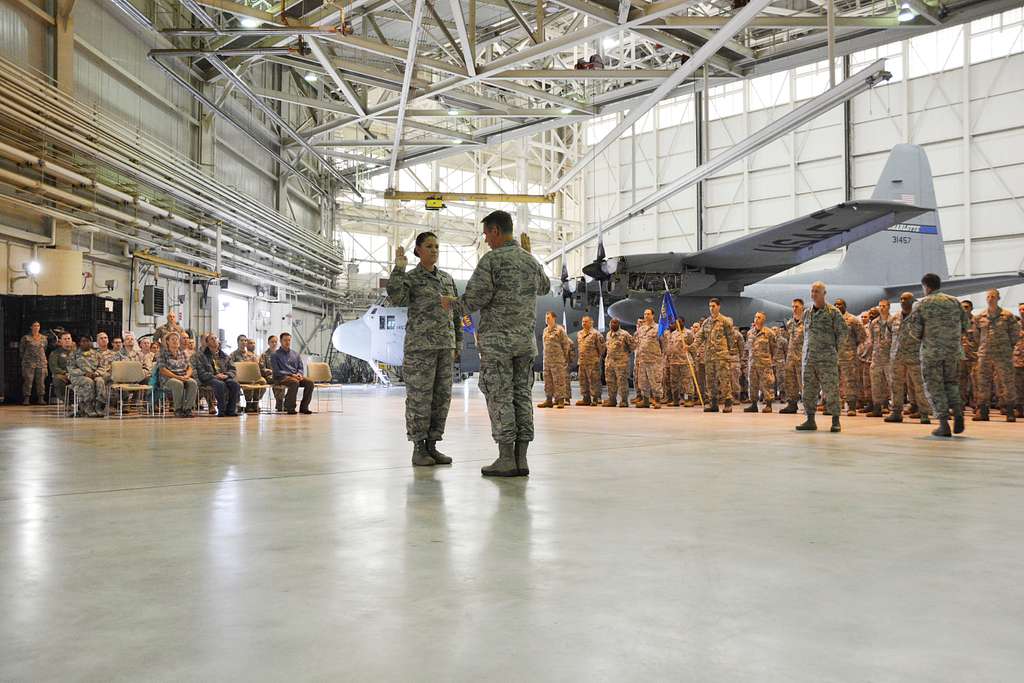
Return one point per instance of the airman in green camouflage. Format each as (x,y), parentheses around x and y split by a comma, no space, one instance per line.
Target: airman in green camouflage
(650,361)
(824,329)
(761,353)
(557,350)
(997,333)
(794,357)
(849,368)
(881,359)
(716,334)
(87,379)
(590,346)
(433,337)
(618,344)
(906,362)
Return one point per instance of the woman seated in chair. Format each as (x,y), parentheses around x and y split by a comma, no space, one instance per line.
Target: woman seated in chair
(176,376)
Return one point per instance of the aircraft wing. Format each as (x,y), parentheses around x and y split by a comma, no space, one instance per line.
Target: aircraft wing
(962,286)
(766,252)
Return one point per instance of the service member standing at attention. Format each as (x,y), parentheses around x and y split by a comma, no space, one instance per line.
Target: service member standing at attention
(716,333)
(618,344)
(849,367)
(824,328)
(760,378)
(938,322)
(680,365)
(997,333)
(504,287)
(557,348)
(969,362)
(32,352)
(906,363)
(590,346)
(794,357)
(1018,364)
(650,360)
(432,342)
(881,359)
(737,363)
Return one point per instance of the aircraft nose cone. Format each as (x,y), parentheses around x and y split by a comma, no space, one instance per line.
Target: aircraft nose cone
(352,338)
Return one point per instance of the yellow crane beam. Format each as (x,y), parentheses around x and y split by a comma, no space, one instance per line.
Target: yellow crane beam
(471,197)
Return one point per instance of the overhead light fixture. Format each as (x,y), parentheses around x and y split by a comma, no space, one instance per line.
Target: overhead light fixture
(453,112)
(310,77)
(33,268)
(907,12)
(457,141)
(251,22)
(566,110)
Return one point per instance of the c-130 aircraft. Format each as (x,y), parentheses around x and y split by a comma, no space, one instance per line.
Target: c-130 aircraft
(891,240)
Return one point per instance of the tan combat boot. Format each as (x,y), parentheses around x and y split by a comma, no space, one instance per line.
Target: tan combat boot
(546,403)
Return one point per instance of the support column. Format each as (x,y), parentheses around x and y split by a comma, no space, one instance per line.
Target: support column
(965,114)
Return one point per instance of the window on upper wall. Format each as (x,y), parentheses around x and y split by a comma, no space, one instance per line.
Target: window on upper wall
(372,249)
(811,80)
(725,100)
(598,127)
(456,260)
(645,124)
(675,112)
(997,36)
(769,91)
(935,52)
(893,54)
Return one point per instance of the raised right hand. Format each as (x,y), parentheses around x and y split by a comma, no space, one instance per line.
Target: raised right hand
(400,260)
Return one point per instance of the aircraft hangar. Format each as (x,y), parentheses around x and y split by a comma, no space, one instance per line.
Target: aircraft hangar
(216,208)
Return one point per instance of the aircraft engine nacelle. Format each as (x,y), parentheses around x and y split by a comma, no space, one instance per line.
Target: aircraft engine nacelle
(644,275)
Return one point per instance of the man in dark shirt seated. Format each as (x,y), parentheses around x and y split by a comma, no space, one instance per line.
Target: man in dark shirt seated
(287,366)
(215,370)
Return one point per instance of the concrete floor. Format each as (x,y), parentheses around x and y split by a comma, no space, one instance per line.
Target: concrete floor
(646,545)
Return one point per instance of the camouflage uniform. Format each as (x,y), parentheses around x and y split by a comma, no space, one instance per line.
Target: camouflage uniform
(969,362)
(135,354)
(779,363)
(824,329)
(1018,370)
(938,323)
(433,335)
(881,366)
(165,329)
(737,362)
(590,346)
(996,336)
(650,360)
(849,365)
(32,353)
(557,350)
(716,333)
(794,359)
(677,357)
(761,352)
(907,381)
(504,288)
(864,363)
(60,370)
(618,344)
(697,353)
(89,392)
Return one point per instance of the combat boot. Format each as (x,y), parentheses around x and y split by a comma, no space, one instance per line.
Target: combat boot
(420,456)
(644,403)
(752,408)
(924,419)
(894,416)
(790,409)
(689,403)
(623,404)
(546,403)
(982,414)
(876,410)
(505,465)
(910,410)
(808,425)
(522,466)
(583,401)
(674,403)
(851,409)
(767,407)
(1010,417)
(1020,410)
(439,457)
(958,420)
(609,402)
(943,428)
(559,403)
(711,407)
(728,406)
(654,403)
(835,424)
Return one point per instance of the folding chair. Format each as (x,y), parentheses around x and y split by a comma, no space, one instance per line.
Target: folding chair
(248,376)
(125,376)
(320,375)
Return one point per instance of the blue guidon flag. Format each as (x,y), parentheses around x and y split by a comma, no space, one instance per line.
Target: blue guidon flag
(467,325)
(668,314)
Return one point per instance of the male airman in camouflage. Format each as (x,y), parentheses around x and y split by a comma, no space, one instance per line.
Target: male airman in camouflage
(779,362)
(59,364)
(938,322)
(557,347)
(881,359)
(1018,364)
(639,398)
(590,345)
(761,352)
(87,380)
(650,360)
(824,329)
(997,332)
(504,287)
(794,357)
(680,365)
(737,362)
(433,337)
(906,363)
(618,343)
(864,361)
(697,354)
(716,334)
(969,363)
(170,326)
(849,368)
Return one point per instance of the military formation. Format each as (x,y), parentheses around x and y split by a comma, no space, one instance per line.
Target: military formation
(930,359)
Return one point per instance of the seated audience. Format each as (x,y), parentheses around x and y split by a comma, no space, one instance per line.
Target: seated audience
(215,370)
(59,363)
(287,366)
(176,376)
(266,367)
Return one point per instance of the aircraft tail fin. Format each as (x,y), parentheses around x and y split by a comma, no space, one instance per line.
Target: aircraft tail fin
(909,249)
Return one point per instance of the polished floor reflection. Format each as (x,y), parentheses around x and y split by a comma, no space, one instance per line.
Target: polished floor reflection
(647,545)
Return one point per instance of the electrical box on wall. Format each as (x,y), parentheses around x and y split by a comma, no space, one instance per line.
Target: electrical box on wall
(152,300)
